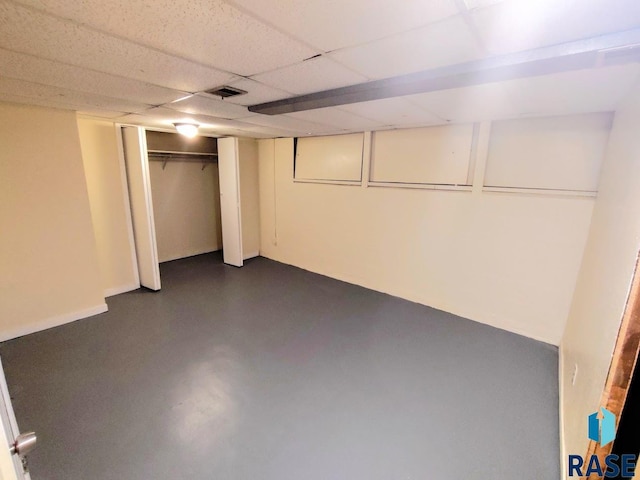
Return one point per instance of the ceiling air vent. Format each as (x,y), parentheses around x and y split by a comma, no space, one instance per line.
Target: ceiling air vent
(225,91)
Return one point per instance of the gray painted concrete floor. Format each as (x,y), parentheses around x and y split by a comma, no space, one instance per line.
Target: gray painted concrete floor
(273,373)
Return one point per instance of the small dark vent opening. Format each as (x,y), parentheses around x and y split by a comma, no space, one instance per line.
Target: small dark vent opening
(225,91)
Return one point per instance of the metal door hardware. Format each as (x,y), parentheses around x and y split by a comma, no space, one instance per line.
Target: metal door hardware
(25,443)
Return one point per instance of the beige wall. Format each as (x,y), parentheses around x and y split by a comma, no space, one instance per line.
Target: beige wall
(249,197)
(604,280)
(186,208)
(109,208)
(507,260)
(49,269)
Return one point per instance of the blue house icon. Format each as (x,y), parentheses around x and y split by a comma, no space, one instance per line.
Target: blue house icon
(602,431)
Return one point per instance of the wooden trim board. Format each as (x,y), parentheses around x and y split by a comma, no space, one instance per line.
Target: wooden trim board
(623,362)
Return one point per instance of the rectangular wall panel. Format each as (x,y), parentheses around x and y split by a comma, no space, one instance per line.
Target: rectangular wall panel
(331,158)
(556,153)
(431,155)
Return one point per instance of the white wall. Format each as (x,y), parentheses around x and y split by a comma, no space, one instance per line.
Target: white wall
(604,280)
(106,185)
(507,260)
(49,271)
(186,206)
(249,197)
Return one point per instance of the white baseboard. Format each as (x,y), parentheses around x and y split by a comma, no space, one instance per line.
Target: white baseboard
(251,255)
(52,322)
(110,292)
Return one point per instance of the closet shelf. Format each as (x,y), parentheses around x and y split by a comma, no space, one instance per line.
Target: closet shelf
(194,157)
(188,155)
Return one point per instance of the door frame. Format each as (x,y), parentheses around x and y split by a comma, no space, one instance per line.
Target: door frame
(10,464)
(623,363)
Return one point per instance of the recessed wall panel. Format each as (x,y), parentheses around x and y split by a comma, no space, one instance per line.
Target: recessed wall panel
(330,158)
(553,153)
(430,155)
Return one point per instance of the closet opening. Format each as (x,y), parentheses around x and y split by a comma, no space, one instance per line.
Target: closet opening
(185,191)
(186,200)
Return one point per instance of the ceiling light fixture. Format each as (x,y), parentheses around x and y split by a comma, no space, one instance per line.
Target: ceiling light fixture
(189,130)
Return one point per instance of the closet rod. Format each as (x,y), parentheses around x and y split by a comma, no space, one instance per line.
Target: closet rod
(189,157)
(167,153)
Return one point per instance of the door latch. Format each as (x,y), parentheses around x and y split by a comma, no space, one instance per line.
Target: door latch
(25,443)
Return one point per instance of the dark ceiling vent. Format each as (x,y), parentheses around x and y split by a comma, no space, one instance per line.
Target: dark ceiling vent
(225,91)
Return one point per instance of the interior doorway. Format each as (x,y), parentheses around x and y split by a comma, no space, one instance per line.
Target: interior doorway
(197,207)
(185,190)
(174,191)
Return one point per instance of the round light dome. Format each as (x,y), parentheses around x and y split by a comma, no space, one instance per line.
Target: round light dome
(189,130)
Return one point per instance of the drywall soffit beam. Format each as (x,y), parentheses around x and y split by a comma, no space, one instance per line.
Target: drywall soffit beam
(605,50)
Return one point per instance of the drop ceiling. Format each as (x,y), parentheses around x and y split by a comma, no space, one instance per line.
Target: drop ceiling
(148,62)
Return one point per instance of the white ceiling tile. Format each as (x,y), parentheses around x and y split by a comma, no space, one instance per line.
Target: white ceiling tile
(393,111)
(310,76)
(106,114)
(443,43)
(257,93)
(594,90)
(37,101)
(163,119)
(470,104)
(582,91)
(219,132)
(145,121)
(70,64)
(517,25)
(96,101)
(336,118)
(208,105)
(333,24)
(11,86)
(43,102)
(166,117)
(13,98)
(27,67)
(154,123)
(271,132)
(70,98)
(169,116)
(473,4)
(27,31)
(205,31)
(260,132)
(247,133)
(286,123)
